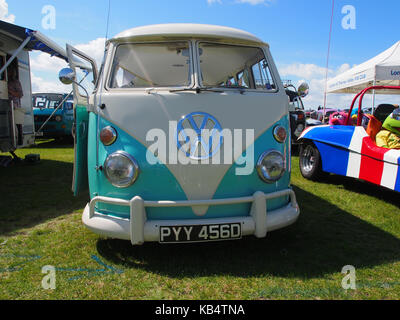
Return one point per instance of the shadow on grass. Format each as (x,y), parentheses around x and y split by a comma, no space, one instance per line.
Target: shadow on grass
(59,143)
(364,187)
(324,240)
(33,194)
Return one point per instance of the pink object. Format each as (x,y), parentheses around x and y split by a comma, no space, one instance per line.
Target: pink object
(338,118)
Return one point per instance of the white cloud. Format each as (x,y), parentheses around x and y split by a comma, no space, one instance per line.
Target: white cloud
(39,85)
(343,68)
(94,49)
(315,75)
(48,67)
(4,15)
(300,70)
(214,1)
(43,62)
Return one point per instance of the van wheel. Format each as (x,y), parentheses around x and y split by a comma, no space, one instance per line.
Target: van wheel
(310,161)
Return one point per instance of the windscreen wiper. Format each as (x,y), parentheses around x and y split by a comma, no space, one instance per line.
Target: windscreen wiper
(198,90)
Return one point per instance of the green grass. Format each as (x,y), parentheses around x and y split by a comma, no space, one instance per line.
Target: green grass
(343,222)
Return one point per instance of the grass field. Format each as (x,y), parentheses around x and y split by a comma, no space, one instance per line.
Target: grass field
(343,222)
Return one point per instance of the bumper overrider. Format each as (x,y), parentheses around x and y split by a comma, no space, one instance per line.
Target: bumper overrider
(138,229)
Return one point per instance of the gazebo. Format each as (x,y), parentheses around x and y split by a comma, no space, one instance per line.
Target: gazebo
(384,69)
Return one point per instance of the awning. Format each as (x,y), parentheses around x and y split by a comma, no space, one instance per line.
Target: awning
(382,70)
(38,41)
(34,40)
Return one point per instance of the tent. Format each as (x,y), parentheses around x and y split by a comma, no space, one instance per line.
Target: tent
(384,69)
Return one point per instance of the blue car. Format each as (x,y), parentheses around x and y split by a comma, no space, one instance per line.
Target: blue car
(350,150)
(60,124)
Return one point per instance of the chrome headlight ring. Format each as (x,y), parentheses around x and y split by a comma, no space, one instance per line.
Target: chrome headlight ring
(271,166)
(121,169)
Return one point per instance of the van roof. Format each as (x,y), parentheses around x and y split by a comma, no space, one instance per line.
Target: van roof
(187,30)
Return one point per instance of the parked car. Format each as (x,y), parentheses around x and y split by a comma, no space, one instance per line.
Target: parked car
(322,116)
(350,150)
(312,122)
(153,141)
(60,123)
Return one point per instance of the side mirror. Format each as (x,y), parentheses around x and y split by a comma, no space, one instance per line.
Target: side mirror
(303,90)
(67,76)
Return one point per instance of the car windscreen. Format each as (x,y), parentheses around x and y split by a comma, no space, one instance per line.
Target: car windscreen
(233,66)
(151,65)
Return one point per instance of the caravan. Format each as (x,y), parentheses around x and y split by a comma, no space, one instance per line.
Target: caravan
(184,138)
(16,111)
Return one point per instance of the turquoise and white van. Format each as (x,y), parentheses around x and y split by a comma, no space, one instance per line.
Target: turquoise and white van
(184,138)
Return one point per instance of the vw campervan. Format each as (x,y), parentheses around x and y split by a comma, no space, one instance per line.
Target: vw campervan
(185,137)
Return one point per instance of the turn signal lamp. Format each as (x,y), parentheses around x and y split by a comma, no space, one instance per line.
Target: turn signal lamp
(280,134)
(108,136)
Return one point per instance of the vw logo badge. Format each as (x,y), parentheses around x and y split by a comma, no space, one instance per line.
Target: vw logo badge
(205,138)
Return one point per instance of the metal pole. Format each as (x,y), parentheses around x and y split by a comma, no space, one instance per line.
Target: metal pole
(14,135)
(373,98)
(59,106)
(327,59)
(20,48)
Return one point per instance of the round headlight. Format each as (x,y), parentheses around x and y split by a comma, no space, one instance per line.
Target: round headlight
(58,118)
(271,166)
(121,169)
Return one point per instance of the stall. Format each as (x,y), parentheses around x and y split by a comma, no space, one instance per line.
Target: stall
(382,70)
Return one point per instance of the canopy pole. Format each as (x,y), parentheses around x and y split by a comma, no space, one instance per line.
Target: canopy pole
(16,53)
(373,97)
(327,59)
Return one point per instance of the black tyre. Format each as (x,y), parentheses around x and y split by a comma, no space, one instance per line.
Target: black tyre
(310,161)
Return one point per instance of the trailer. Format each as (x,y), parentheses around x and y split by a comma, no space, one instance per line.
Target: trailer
(17,129)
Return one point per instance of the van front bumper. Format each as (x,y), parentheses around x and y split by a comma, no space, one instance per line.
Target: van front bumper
(138,229)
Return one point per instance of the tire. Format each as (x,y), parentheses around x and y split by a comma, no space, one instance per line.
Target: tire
(310,162)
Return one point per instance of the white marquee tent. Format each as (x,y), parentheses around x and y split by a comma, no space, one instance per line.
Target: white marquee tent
(384,69)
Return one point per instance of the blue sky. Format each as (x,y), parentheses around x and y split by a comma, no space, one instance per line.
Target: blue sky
(297,31)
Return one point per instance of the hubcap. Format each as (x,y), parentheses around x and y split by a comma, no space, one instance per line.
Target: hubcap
(308,159)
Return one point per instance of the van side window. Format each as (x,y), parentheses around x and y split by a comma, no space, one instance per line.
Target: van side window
(152,65)
(262,76)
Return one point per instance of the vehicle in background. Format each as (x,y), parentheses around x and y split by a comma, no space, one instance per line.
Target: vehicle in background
(322,116)
(312,122)
(46,105)
(195,92)
(350,149)
(296,109)
(16,112)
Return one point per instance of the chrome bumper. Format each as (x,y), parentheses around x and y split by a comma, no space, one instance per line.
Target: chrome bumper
(138,229)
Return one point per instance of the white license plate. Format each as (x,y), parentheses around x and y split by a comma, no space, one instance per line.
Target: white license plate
(200,233)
